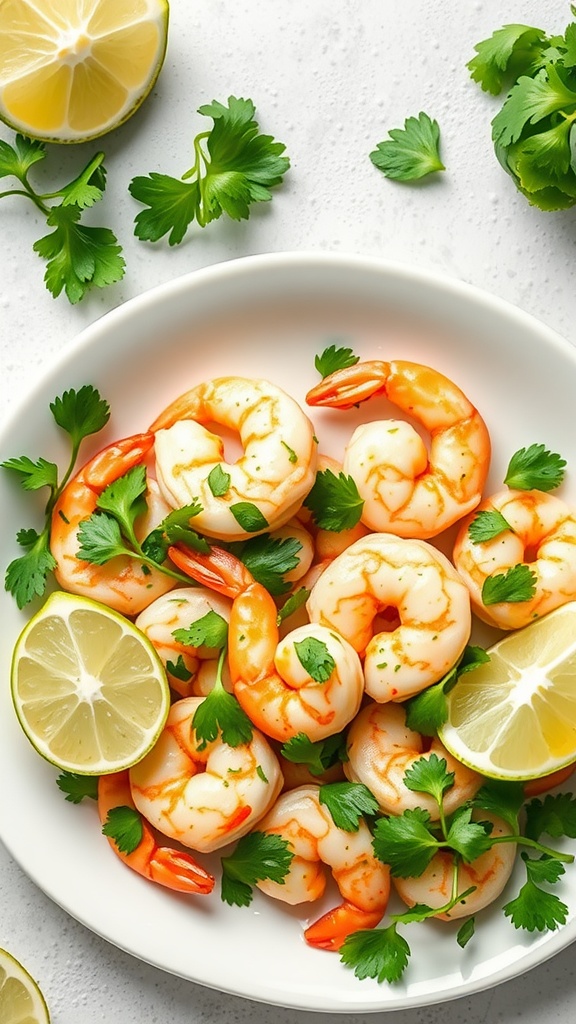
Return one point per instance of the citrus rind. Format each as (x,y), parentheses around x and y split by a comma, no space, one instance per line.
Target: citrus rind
(20,996)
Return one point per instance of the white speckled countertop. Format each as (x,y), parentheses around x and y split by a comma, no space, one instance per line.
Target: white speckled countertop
(329,78)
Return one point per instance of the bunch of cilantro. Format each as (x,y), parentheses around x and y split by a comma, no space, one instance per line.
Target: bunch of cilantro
(533,132)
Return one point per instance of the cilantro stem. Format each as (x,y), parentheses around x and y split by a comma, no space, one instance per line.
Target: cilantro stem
(567,858)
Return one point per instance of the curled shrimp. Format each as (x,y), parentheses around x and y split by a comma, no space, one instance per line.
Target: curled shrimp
(381,748)
(191,670)
(122,583)
(363,881)
(380,573)
(541,535)
(204,798)
(274,472)
(280,694)
(171,868)
(487,875)
(406,490)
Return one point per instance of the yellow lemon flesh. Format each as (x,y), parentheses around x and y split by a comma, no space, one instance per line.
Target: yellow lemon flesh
(88,687)
(515,716)
(21,1001)
(72,70)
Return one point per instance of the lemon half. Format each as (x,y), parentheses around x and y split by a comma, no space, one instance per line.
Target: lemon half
(515,716)
(88,687)
(71,70)
(21,1001)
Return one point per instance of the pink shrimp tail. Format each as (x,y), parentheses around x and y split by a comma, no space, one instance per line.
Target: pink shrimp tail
(330,930)
(345,388)
(179,871)
(115,460)
(220,570)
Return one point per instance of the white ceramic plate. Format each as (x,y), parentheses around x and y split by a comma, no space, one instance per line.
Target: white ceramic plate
(268,316)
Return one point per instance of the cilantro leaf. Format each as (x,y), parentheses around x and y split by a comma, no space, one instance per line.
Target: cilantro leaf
(468,838)
(347,803)
(510,50)
(211,630)
(248,516)
(535,468)
(505,799)
(124,826)
(268,559)
(124,498)
(429,775)
(315,658)
(517,584)
(26,576)
(237,168)
(405,842)
(411,152)
(33,475)
(466,932)
(100,539)
(292,604)
(19,158)
(428,710)
(78,256)
(543,868)
(178,669)
(554,816)
(534,909)
(317,755)
(334,358)
(88,187)
(80,413)
(220,714)
(334,501)
(258,856)
(218,481)
(379,953)
(78,787)
(486,525)
(529,101)
(172,206)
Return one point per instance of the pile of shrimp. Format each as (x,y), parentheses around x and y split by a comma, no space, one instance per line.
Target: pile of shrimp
(393,611)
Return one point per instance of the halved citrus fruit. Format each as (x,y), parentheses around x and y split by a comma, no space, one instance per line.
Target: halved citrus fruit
(74,69)
(515,716)
(88,687)
(21,1001)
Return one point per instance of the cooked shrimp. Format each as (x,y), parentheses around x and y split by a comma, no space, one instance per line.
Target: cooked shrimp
(274,472)
(161,864)
(191,670)
(381,748)
(488,874)
(204,798)
(406,490)
(278,693)
(542,535)
(122,583)
(315,841)
(383,572)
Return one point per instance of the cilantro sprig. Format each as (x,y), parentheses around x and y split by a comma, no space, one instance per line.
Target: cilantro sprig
(533,132)
(535,468)
(110,531)
(78,256)
(79,414)
(268,559)
(411,152)
(234,167)
(258,856)
(334,357)
(316,755)
(408,842)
